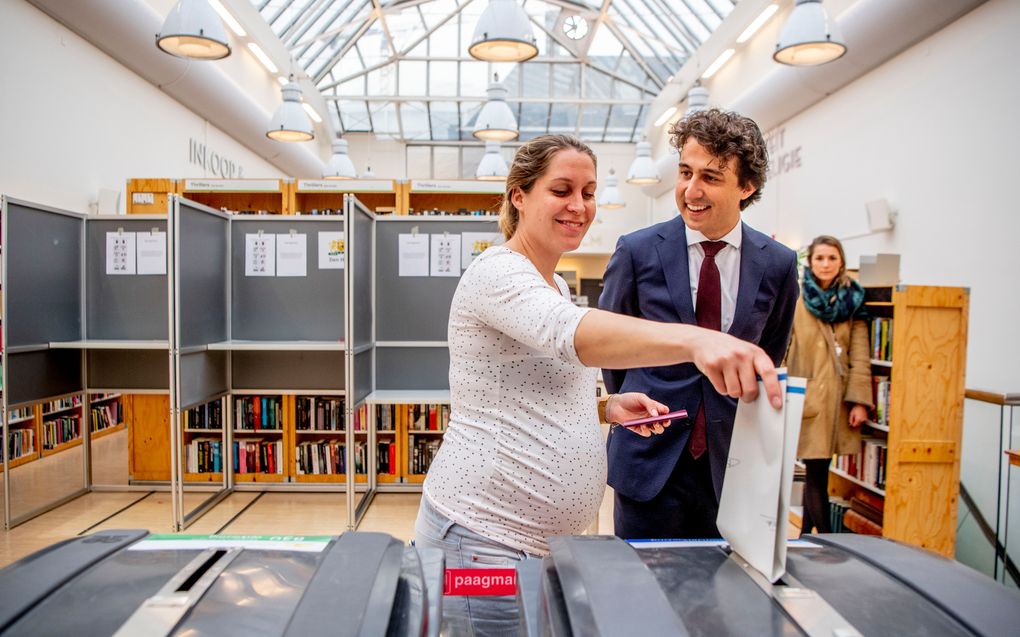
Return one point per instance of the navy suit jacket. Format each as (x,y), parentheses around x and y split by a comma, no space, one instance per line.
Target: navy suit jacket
(648,277)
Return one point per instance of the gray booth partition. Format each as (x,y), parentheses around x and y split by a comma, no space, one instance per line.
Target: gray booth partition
(361,339)
(43,303)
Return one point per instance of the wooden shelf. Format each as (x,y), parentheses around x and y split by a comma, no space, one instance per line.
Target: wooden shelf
(875,425)
(61,410)
(18,421)
(881,363)
(260,477)
(415,432)
(96,401)
(108,430)
(308,432)
(62,447)
(857,481)
(255,432)
(25,459)
(204,431)
(204,477)
(321,477)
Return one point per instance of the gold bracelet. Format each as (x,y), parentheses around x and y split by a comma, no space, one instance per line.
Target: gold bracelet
(603,404)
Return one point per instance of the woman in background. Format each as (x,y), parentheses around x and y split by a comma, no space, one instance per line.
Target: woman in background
(829,347)
(523,457)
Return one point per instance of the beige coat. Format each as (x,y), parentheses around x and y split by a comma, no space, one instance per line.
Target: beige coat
(834,383)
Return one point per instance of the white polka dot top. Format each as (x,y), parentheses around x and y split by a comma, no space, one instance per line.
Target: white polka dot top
(523,457)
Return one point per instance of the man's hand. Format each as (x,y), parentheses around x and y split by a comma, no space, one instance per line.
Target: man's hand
(634,405)
(731,364)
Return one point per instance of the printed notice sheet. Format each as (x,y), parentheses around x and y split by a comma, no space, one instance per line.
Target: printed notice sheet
(413,255)
(120,252)
(151,252)
(260,254)
(331,250)
(292,255)
(475,243)
(445,255)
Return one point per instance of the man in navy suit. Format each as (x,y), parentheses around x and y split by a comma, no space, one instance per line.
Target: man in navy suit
(669,485)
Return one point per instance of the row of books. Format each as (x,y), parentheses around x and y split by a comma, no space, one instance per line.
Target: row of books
(880,390)
(881,338)
(22,414)
(422,450)
(207,416)
(57,431)
(837,507)
(202,455)
(62,403)
(20,442)
(105,415)
(868,466)
(319,414)
(321,457)
(413,417)
(254,413)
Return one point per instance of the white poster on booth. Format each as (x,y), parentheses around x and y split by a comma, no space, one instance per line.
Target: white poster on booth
(331,250)
(413,255)
(120,252)
(445,255)
(260,254)
(475,243)
(292,255)
(151,252)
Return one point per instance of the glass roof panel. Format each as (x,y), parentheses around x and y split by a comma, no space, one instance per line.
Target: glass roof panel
(620,64)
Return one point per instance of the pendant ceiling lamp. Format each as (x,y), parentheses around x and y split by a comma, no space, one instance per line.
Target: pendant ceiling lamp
(290,123)
(368,174)
(642,170)
(340,165)
(496,121)
(809,38)
(492,167)
(503,34)
(193,30)
(697,99)
(611,198)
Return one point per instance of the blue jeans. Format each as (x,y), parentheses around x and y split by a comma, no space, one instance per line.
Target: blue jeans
(476,616)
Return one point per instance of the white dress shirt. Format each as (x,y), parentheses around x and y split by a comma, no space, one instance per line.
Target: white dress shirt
(728,262)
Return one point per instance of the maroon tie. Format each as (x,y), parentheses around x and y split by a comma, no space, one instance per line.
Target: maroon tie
(708,311)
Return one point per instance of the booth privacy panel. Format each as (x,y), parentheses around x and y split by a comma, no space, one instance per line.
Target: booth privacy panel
(203,377)
(414,308)
(35,376)
(43,249)
(363,385)
(202,276)
(288,371)
(286,308)
(361,275)
(129,307)
(127,369)
(410,368)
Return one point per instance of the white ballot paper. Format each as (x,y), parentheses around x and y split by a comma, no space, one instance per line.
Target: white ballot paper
(120,252)
(331,250)
(292,254)
(759,477)
(445,255)
(151,252)
(413,255)
(259,254)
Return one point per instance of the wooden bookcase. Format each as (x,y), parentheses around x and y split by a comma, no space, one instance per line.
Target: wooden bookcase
(241,196)
(925,421)
(26,422)
(452,197)
(313,196)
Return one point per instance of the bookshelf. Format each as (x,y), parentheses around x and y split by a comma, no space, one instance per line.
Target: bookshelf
(453,197)
(325,196)
(241,196)
(61,424)
(23,435)
(911,445)
(106,414)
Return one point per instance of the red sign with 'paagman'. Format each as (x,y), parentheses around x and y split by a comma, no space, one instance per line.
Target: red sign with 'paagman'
(480,581)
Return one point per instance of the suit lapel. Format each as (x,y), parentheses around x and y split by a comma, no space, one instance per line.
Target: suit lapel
(752,269)
(673,257)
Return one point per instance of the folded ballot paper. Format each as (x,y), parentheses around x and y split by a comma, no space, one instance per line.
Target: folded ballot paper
(759,477)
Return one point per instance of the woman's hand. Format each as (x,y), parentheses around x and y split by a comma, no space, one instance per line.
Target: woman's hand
(858,416)
(731,365)
(634,405)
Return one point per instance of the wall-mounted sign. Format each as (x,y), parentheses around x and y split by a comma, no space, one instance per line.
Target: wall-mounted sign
(214,163)
(781,159)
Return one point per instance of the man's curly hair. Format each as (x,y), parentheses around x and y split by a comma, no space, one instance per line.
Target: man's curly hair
(728,135)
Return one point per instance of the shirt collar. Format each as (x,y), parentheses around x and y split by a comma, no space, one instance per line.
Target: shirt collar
(734,237)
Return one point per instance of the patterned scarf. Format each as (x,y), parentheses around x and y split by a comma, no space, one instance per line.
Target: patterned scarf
(836,304)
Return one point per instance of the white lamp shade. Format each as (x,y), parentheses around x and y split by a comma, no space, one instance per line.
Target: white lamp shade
(192,29)
(610,198)
(503,34)
(642,170)
(496,121)
(492,167)
(290,123)
(340,165)
(809,38)
(697,99)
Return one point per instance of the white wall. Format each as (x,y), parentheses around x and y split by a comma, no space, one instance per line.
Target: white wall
(73,120)
(933,131)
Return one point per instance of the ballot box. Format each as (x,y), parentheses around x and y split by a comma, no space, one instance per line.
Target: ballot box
(133,583)
(836,585)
